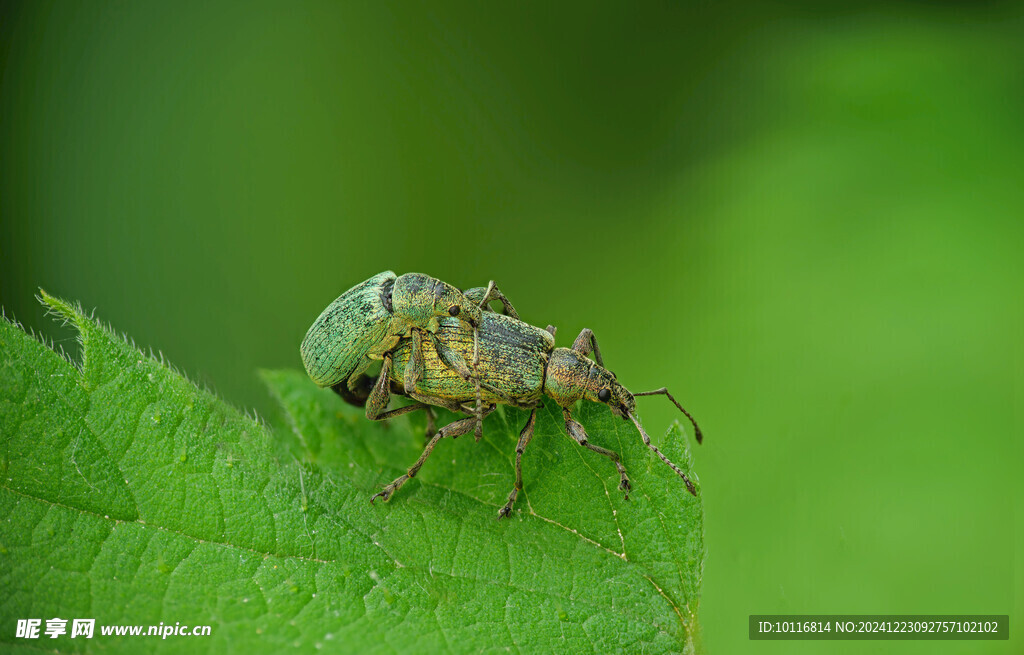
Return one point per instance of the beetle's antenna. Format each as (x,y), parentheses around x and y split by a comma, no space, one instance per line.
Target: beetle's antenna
(647,442)
(664,392)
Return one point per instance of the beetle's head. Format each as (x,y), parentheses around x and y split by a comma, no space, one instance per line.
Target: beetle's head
(571,377)
(419,298)
(449,301)
(604,388)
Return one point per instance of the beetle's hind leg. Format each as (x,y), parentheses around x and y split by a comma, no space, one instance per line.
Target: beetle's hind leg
(453,430)
(587,343)
(577,432)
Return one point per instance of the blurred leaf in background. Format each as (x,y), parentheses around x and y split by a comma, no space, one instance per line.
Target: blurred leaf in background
(803,219)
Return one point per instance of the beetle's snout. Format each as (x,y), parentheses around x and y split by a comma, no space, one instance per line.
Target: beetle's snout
(626,404)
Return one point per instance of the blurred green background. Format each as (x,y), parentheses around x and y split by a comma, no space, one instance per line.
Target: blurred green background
(805,221)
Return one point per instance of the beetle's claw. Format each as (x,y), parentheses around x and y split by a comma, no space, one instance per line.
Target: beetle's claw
(506,511)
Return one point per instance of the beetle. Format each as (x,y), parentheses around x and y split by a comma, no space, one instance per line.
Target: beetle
(518,364)
(372,317)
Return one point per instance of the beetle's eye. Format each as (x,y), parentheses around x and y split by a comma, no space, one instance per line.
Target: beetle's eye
(453,310)
(604,395)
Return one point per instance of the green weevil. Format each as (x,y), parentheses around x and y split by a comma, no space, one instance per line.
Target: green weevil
(517,364)
(372,317)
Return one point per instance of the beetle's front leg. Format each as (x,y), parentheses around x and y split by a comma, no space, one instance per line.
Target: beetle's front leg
(380,396)
(577,432)
(664,392)
(414,369)
(483,296)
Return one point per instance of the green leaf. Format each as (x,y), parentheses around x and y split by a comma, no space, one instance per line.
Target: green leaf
(129,496)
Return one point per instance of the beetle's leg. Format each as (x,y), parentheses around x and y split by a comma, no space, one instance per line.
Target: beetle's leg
(450,405)
(361,368)
(380,396)
(354,392)
(451,357)
(414,369)
(478,431)
(587,342)
(356,388)
(552,329)
(664,392)
(453,360)
(493,293)
(476,347)
(399,411)
(431,427)
(483,300)
(524,438)
(577,432)
(453,429)
(647,442)
(483,297)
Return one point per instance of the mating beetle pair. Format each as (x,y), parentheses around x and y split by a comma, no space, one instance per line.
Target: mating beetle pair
(442,347)
(369,320)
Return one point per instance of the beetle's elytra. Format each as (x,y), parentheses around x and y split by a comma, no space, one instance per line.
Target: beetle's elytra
(445,348)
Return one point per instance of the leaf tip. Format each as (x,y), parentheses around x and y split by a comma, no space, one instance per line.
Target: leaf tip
(61,308)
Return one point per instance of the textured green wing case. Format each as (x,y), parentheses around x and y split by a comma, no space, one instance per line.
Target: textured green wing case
(513,356)
(347,330)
